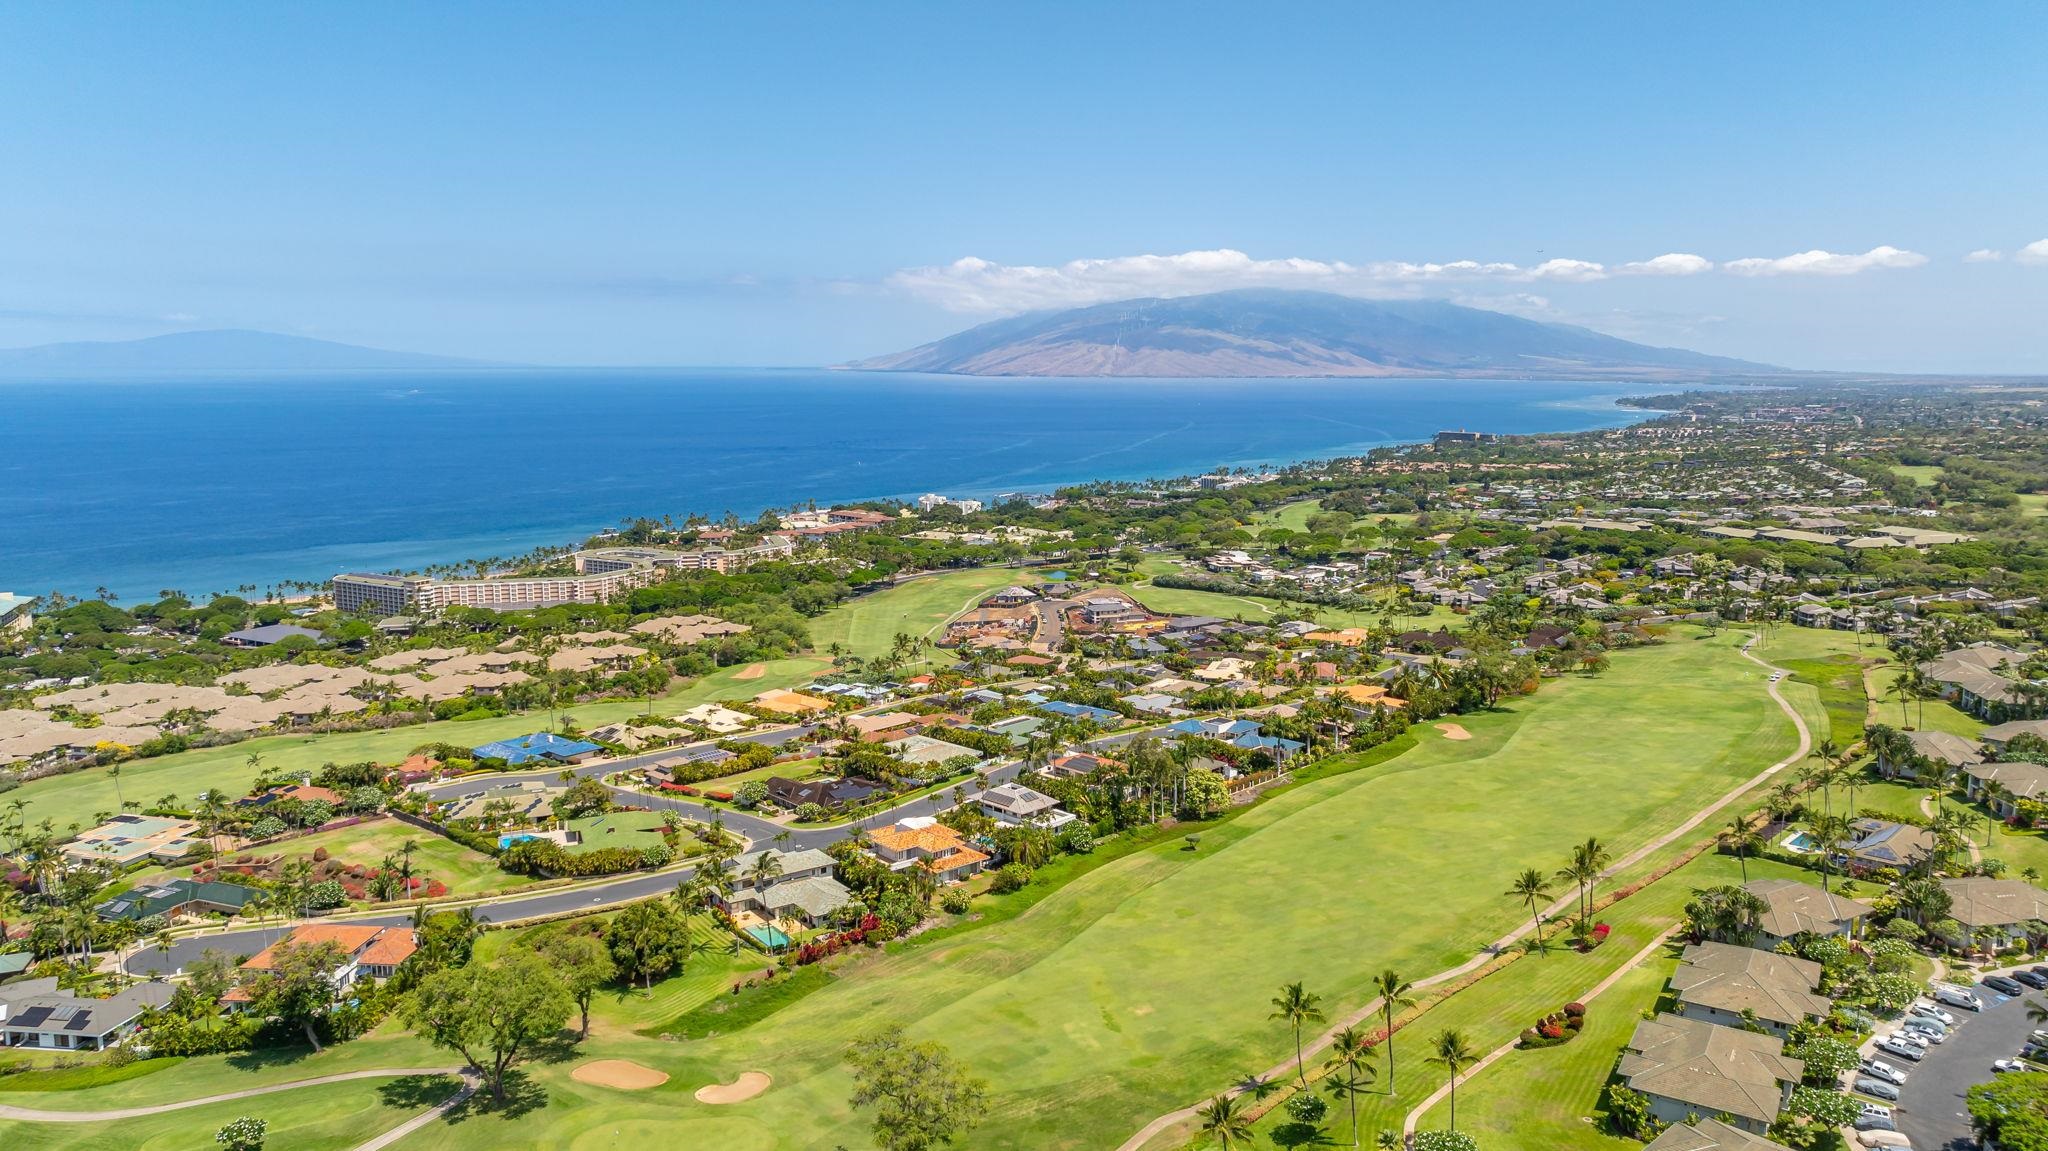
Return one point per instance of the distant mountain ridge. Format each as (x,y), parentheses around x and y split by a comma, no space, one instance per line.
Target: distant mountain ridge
(225,349)
(1255,332)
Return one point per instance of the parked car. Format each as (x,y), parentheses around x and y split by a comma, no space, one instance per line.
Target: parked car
(1908,1035)
(1877,1088)
(2005,986)
(1893,1046)
(2039,970)
(1889,1140)
(1884,1071)
(1881,1120)
(1926,1029)
(2038,1052)
(2040,1035)
(1958,997)
(1926,1010)
(2007,1066)
(2032,978)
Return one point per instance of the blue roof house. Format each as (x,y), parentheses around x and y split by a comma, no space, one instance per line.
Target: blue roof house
(541,746)
(1081,711)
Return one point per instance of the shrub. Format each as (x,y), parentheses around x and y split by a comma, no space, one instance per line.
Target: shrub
(1307,1107)
(1445,1141)
(243,1134)
(1009,877)
(954,902)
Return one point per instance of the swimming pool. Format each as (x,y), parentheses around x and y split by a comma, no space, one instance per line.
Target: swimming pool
(769,937)
(1799,842)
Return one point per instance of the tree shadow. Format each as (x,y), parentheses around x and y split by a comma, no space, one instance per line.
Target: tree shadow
(523,1096)
(560,1049)
(1299,1134)
(258,1058)
(417,1092)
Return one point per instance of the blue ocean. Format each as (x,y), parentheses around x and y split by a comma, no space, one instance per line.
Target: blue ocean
(211,482)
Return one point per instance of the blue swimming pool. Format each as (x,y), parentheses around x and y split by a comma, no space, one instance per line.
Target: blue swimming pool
(1800,842)
(769,937)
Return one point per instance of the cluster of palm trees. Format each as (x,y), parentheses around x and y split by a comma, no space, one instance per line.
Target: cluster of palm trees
(1349,1073)
(1532,888)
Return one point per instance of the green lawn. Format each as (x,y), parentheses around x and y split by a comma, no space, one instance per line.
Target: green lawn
(329,1118)
(2034,503)
(866,626)
(1835,662)
(1186,601)
(1144,984)
(1922,474)
(635,829)
(1292,516)
(74,798)
(465,872)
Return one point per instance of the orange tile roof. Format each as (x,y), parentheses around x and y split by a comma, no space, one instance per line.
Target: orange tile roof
(392,947)
(356,940)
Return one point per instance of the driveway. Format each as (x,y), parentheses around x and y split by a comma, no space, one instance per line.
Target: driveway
(1931,1109)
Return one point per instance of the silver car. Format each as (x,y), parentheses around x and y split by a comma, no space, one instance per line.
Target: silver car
(1877,1088)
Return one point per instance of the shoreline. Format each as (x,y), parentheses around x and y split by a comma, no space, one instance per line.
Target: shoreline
(1598,409)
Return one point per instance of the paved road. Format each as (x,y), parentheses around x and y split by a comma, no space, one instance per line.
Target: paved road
(1931,1109)
(31,1115)
(584,897)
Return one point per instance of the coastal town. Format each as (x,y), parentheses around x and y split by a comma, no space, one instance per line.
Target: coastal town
(1749,700)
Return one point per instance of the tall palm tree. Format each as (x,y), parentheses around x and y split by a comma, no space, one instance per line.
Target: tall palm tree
(1297,1006)
(1529,888)
(1828,832)
(1742,839)
(1393,993)
(405,851)
(1597,858)
(1223,1122)
(1351,1064)
(1452,1054)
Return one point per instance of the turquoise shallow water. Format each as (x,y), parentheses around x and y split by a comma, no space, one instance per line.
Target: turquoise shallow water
(210,482)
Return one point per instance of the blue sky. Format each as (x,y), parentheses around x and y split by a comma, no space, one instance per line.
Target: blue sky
(798,183)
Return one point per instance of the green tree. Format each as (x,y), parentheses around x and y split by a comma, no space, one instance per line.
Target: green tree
(649,938)
(1351,1071)
(1297,1006)
(491,1014)
(1743,841)
(1450,1051)
(1393,996)
(1530,889)
(921,1095)
(2012,1110)
(1224,1123)
(299,985)
(585,964)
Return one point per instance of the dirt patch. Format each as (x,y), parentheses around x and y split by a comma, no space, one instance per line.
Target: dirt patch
(748,1085)
(755,671)
(623,1074)
(1453,731)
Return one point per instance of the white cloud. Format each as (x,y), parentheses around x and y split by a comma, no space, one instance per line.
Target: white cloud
(2034,253)
(1822,263)
(1668,264)
(1984,256)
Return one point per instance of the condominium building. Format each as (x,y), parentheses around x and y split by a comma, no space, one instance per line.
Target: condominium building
(601,573)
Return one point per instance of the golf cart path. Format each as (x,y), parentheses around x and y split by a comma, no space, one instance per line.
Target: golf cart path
(1613,977)
(29,1115)
(1281,1070)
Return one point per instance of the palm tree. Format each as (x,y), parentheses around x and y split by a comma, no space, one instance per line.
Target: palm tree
(1295,1005)
(1350,1060)
(1453,1055)
(1742,839)
(1223,1122)
(405,851)
(1597,858)
(1393,993)
(1529,888)
(1828,832)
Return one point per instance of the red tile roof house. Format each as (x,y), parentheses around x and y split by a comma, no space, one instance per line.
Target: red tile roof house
(371,953)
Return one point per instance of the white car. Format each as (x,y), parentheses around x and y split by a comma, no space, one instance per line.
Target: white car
(2041,1035)
(2007,1066)
(1923,1034)
(1883,1070)
(1908,1035)
(1873,1110)
(1927,1010)
(1903,1050)
(1890,1140)
(1958,997)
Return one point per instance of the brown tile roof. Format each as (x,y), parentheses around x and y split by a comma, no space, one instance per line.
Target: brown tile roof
(1709,1067)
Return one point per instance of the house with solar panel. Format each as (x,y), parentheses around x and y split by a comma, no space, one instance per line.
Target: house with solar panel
(36,1013)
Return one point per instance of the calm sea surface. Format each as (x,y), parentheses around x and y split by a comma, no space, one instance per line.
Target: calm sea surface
(210,482)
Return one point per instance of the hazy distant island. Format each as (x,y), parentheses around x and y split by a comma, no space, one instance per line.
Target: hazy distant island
(1289,333)
(220,350)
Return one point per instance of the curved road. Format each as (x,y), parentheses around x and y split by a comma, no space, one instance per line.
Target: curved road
(582,897)
(30,1115)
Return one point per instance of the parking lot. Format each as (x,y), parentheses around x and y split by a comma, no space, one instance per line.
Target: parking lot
(1931,1110)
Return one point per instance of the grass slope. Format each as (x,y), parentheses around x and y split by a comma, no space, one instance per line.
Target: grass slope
(920,607)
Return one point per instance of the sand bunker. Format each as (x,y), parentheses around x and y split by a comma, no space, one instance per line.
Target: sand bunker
(755,672)
(1453,731)
(748,1085)
(623,1074)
